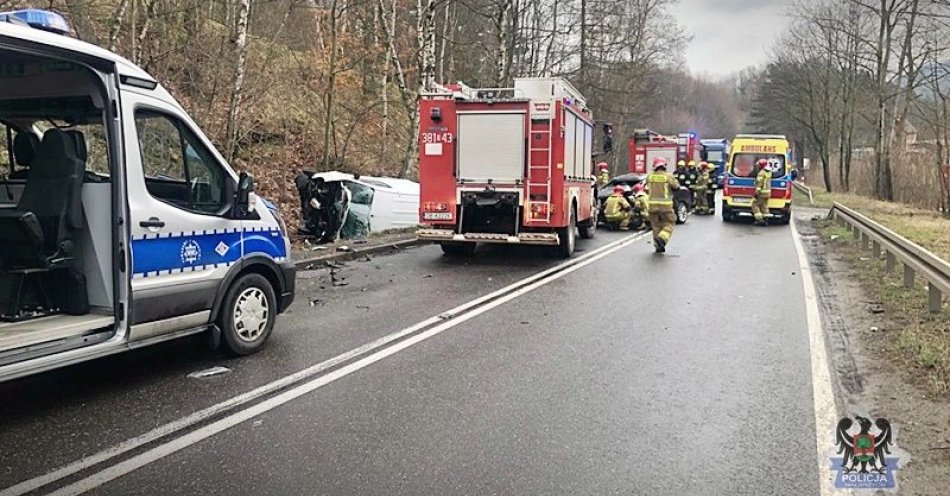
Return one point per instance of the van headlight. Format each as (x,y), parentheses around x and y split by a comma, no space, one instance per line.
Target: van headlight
(276,213)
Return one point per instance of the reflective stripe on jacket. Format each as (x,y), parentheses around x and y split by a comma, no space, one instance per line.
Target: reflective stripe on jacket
(763,182)
(661,185)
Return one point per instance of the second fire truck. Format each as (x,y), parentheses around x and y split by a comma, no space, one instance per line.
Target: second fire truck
(506,166)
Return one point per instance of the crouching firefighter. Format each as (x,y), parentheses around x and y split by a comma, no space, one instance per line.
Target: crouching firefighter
(763,191)
(641,208)
(661,185)
(617,210)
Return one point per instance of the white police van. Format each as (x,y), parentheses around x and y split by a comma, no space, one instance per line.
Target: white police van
(120,224)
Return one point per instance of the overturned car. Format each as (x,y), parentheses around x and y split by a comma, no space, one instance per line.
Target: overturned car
(336,205)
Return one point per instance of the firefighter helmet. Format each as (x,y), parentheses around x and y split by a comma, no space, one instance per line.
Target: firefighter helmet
(603,166)
(638,188)
(692,163)
(659,162)
(681,163)
(618,189)
(762,163)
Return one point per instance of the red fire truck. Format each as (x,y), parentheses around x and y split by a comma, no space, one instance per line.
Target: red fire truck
(506,166)
(645,145)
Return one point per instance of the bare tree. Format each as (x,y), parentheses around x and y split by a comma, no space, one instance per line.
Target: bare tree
(240,49)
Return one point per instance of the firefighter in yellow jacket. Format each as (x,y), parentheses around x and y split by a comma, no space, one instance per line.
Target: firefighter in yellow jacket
(617,210)
(603,174)
(661,185)
(641,208)
(763,191)
(699,187)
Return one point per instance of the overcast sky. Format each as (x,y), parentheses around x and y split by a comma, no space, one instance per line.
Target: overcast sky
(729,35)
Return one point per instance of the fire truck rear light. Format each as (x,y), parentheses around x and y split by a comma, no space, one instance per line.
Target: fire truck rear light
(435,207)
(435,113)
(540,209)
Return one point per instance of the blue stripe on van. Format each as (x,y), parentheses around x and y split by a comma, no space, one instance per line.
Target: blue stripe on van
(189,251)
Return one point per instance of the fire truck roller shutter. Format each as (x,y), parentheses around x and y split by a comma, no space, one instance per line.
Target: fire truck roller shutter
(491,146)
(570,143)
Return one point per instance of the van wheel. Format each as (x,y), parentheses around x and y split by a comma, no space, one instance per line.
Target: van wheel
(567,237)
(247,314)
(458,249)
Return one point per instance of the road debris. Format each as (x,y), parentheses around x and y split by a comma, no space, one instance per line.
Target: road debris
(213,371)
(875,307)
(317,301)
(344,248)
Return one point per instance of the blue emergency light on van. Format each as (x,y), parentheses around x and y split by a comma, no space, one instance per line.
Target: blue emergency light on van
(39,19)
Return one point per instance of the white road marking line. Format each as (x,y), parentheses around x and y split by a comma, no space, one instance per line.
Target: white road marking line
(826,413)
(204,414)
(124,467)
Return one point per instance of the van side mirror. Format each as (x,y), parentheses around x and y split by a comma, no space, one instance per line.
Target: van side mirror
(794,174)
(243,206)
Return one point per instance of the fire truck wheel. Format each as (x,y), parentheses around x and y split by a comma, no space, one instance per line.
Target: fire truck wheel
(458,249)
(567,237)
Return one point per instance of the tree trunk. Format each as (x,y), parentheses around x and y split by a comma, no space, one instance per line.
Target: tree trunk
(240,48)
(331,86)
(117,24)
(408,97)
(425,37)
(502,27)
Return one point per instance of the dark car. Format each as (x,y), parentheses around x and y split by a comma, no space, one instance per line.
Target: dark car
(682,197)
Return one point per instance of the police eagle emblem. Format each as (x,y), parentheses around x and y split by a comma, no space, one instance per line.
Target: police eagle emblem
(863,451)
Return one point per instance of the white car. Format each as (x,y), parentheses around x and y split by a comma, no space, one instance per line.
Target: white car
(369,203)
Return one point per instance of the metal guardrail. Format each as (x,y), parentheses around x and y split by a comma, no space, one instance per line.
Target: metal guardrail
(804,189)
(894,247)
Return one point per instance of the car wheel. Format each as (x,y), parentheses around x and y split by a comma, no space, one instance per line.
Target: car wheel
(588,229)
(726,213)
(566,237)
(248,313)
(458,249)
(682,213)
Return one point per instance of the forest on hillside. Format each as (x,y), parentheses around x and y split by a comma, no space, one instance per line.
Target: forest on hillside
(288,85)
(285,85)
(863,87)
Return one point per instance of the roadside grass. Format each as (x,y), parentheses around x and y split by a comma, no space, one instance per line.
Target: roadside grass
(928,229)
(920,339)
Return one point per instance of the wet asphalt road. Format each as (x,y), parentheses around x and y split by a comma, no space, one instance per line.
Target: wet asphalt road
(682,374)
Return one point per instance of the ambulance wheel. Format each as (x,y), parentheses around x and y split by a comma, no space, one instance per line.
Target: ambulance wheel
(458,249)
(726,213)
(567,237)
(588,229)
(247,314)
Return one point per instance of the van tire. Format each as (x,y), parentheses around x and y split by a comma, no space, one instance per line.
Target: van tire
(254,294)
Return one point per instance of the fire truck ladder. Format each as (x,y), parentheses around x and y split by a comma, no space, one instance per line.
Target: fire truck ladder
(535,187)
